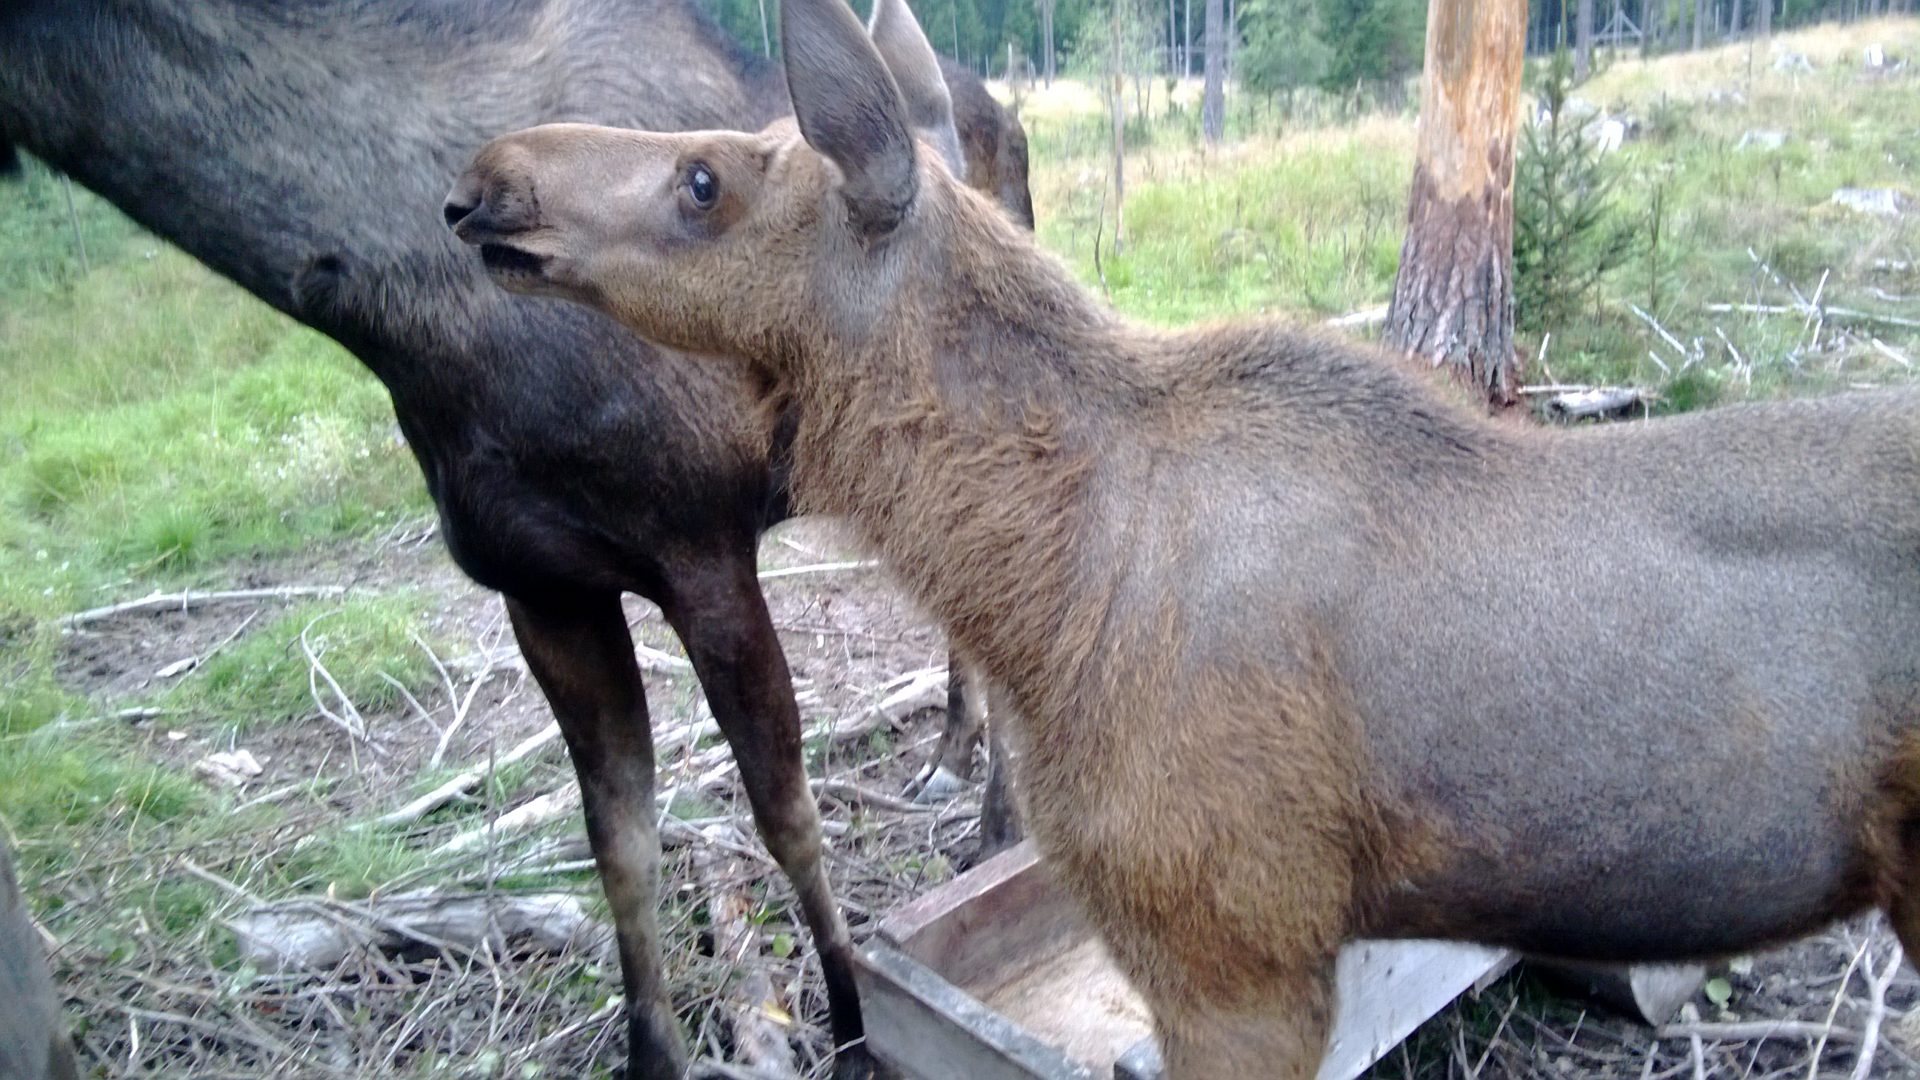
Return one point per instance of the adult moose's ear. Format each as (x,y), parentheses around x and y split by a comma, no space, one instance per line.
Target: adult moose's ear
(850,110)
(916,70)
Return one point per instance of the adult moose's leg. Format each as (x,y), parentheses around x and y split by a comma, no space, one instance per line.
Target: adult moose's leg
(582,656)
(1000,822)
(717,609)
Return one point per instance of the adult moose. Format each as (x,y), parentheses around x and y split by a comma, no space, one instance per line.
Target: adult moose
(1261,600)
(300,149)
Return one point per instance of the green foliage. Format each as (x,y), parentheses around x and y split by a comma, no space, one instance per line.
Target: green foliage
(1566,237)
(52,780)
(1372,41)
(1285,45)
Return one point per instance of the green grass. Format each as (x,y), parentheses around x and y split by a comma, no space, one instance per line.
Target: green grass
(1303,219)
(161,429)
(366,643)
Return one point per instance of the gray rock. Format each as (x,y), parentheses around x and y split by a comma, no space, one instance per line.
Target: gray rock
(1762,139)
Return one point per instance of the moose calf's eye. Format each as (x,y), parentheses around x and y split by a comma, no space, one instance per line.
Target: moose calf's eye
(702,186)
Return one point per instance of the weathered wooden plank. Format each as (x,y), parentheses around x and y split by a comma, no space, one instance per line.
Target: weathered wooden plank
(978,934)
(930,1029)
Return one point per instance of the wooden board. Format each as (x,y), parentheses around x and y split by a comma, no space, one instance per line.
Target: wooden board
(1004,933)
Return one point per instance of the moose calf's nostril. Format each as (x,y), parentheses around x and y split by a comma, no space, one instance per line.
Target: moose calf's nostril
(455,212)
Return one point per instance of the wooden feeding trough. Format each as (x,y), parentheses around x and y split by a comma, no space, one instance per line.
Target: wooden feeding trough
(993,976)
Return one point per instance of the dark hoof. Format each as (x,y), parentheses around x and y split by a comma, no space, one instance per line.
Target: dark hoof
(855,1063)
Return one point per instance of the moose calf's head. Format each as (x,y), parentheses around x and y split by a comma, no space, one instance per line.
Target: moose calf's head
(730,243)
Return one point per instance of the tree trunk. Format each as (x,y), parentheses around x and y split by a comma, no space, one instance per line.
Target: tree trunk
(1733,25)
(1213,103)
(1046,38)
(1453,295)
(1583,41)
(1233,34)
(1699,22)
(1173,39)
(1186,45)
(1119,141)
(1764,19)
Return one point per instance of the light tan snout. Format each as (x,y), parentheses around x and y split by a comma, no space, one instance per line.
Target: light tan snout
(546,204)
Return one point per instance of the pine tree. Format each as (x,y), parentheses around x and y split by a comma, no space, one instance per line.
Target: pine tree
(1566,237)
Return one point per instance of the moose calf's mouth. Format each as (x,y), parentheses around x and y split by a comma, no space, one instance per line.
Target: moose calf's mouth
(505,260)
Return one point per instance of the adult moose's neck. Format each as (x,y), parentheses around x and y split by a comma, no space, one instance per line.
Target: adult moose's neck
(271,139)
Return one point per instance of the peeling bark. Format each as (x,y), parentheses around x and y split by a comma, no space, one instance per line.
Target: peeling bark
(1453,296)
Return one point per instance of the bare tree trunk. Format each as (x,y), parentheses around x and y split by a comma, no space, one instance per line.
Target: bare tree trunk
(1119,140)
(1046,37)
(1699,22)
(1173,39)
(1186,46)
(1733,26)
(1453,295)
(1233,33)
(1213,103)
(1583,41)
(1764,21)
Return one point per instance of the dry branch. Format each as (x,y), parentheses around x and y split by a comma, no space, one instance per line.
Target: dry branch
(753,1010)
(1877,983)
(531,814)
(1364,319)
(1843,314)
(1757,1030)
(909,693)
(309,935)
(817,568)
(466,781)
(154,603)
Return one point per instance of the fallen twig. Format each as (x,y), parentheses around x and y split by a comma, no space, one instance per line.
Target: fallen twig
(753,1011)
(158,602)
(1839,995)
(352,723)
(1757,1030)
(1849,314)
(182,666)
(1877,983)
(817,568)
(1661,330)
(466,781)
(1364,319)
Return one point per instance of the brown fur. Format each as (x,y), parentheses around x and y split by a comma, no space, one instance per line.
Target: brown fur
(1302,652)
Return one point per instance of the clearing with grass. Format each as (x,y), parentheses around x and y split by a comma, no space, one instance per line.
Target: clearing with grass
(165,772)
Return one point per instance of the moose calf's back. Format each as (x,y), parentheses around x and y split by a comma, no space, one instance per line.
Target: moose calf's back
(1635,693)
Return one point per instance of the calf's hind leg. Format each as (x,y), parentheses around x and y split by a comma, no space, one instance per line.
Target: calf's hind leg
(580,652)
(1280,1036)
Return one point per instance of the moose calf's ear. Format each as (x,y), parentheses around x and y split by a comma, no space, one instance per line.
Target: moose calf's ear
(849,110)
(916,70)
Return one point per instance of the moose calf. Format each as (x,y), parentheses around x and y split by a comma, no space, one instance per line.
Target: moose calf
(1301,653)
